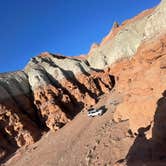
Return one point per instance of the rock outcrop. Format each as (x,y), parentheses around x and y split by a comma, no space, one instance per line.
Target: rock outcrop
(141,80)
(53,89)
(46,95)
(18,122)
(124,40)
(63,86)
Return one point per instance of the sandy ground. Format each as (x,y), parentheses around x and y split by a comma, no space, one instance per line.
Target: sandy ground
(86,141)
(83,141)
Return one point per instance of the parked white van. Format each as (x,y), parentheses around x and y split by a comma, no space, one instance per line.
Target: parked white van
(95,112)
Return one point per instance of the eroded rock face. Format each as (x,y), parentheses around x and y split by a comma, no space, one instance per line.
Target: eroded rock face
(63,86)
(52,89)
(142,81)
(124,40)
(46,95)
(18,121)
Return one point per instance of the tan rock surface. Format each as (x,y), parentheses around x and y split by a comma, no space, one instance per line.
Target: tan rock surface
(124,41)
(17,113)
(142,81)
(63,86)
(134,121)
(53,89)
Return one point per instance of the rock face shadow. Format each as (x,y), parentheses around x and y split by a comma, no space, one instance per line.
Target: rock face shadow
(150,151)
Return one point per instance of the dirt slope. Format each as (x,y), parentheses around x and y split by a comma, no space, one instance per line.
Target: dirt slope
(131,132)
(83,141)
(50,91)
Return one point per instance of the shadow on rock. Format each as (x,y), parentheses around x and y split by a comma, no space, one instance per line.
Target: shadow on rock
(144,151)
(159,130)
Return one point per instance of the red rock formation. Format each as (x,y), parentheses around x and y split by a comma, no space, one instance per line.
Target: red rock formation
(54,88)
(59,104)
(141,80)
(59,93)
(18,122)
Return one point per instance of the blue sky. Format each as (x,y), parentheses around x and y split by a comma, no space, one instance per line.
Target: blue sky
(69,27)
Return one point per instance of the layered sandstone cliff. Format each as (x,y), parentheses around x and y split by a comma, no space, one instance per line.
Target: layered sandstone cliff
(124,40)
(50,91)
(63,86)
(53,89)
(18,122)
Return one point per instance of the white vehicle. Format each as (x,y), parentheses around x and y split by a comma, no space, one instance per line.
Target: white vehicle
(95,112)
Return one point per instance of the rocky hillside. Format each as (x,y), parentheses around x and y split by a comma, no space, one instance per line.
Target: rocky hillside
(127,69)
(50,91)
(123,41)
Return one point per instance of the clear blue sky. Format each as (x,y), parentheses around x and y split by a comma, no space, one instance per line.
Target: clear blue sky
(69,27)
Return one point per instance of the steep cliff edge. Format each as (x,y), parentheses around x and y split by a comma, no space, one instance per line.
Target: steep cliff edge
(18,122)
(124,40)
(63,86)
(53,89)
(49,93)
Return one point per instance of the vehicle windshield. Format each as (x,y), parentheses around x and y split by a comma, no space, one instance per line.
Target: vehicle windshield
(92,111)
